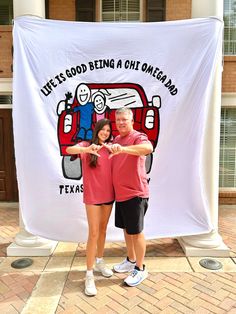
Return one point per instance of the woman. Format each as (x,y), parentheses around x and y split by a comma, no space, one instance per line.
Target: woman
(98,198)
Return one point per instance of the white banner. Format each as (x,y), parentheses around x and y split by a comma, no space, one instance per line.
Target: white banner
(68,75)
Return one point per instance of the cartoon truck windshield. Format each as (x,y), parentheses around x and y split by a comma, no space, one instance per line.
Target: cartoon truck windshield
(92,102)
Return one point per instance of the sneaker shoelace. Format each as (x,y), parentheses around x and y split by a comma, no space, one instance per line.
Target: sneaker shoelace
(134,273)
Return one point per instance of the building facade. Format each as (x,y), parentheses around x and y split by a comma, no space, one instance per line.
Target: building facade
(130,11)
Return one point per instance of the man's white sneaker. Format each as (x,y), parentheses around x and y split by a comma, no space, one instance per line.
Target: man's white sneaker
(124,267)
(136,277)
(90,288)
(102,268)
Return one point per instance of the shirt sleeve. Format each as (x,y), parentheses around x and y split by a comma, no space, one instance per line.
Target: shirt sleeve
(83,144)
(77,108)
(141,139)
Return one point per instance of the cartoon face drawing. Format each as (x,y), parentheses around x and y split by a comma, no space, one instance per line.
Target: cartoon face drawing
(83,94)
(99,103)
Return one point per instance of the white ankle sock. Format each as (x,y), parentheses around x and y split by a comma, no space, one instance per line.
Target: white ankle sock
(89,273)
(99,259)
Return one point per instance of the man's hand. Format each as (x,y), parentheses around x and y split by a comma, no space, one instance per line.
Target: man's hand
(114,149)
(136,150)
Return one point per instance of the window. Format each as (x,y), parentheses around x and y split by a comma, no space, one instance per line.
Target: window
(230,27)
(155,10)
(6,101)
(228,148)
(132,10)
(85,10)
(6,12)
(121,10)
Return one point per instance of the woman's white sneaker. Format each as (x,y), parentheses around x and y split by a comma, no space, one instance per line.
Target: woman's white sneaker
(90,288)
(124,267)
(102,268)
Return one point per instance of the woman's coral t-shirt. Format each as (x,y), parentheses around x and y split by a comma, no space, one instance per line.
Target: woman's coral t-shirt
(97,181)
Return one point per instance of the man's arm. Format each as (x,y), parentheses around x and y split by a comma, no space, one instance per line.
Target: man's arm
(137,150)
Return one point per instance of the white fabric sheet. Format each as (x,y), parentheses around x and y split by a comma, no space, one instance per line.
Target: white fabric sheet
(172,63)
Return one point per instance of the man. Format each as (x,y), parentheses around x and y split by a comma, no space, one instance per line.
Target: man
(131,193)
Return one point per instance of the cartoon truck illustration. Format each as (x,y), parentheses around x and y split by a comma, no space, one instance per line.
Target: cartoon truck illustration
(94,101)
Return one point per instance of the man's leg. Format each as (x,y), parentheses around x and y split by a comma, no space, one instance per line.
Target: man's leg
(128,264)
(139,244)
(139,273)
(130,246)
(134,228)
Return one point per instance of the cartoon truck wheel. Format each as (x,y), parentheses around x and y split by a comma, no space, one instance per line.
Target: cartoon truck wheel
(112,96)
(72,168)
(148,163)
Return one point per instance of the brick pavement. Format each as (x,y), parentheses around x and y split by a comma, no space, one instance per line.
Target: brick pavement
(9,225)
(160,293)
(15,290)
(163,292)
(227,226)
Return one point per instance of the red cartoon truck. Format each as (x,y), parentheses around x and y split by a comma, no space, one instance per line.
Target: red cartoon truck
(93,102)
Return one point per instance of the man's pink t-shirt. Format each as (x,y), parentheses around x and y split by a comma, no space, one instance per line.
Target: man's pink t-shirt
(98,188)
(128,171)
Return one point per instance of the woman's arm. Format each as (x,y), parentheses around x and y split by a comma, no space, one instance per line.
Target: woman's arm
(77,149)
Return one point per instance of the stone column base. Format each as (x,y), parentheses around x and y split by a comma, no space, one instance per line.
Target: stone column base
(27,244)
(210,244)
(17,250)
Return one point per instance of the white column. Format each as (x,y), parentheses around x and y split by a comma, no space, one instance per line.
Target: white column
(27,244)
(210,244)
(24,7)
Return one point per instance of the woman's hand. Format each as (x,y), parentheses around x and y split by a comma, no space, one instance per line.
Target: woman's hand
(93,149)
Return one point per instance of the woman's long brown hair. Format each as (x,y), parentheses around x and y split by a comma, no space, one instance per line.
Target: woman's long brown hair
(98,126)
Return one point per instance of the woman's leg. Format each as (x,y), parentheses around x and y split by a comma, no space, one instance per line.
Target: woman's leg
(93,217)
(105,212)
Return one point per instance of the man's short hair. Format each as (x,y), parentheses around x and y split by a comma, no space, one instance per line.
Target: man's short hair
(124,110)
